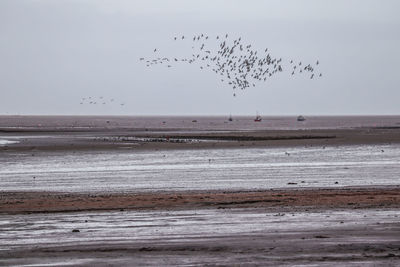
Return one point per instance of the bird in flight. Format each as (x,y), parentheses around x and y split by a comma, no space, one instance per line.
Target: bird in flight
(237,63)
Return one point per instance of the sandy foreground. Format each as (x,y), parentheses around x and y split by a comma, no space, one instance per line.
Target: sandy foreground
(353,226)
(341,226)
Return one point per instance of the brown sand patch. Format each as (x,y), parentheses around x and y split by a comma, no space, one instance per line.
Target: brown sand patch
(22,202)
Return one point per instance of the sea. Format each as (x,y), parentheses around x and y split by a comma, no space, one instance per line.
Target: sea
(197,122)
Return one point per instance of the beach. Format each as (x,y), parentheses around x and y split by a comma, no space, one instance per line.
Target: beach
(199,191)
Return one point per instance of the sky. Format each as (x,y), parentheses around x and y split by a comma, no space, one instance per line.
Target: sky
(54,53)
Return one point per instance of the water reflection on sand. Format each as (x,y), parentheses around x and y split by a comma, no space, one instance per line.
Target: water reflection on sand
(4,142)
(248,236)
(207,169)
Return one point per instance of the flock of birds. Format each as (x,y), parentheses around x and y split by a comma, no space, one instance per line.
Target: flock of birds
(237,63)
(92,100)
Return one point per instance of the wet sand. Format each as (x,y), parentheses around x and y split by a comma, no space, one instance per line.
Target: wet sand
(156,140)
(305,226)
(29,202)
(198,237)
(308,227)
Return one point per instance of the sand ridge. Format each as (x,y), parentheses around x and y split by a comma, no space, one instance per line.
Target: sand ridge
(26,202)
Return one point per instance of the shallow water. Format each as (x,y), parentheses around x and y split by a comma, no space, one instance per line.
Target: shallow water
(7,142)
(225,169)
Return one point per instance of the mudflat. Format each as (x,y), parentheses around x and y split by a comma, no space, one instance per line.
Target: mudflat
(293,225)
(153,140)
(96,132)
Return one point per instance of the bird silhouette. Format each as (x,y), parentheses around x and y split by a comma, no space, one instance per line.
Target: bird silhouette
(239,65)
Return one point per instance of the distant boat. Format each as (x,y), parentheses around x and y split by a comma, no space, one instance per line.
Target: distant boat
(301,118)
(230,118)
(258,118)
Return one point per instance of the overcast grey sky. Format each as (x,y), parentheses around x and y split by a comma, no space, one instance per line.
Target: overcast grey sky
(53,53)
